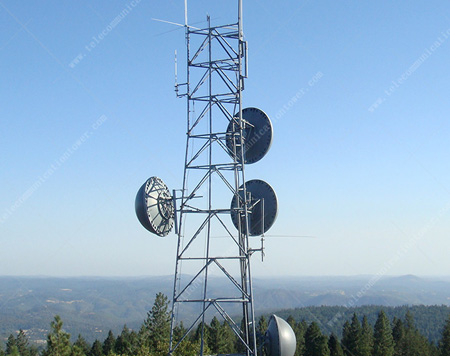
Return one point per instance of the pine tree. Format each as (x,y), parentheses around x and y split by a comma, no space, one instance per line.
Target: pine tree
(335,346)
(444,344)
(178,332)
(58,341)
(409,321)
(191,347)
(196,340)
(157,324)
(96,349)
(134,342)
(238,345)
(351,337)
(366,341)
(122,346)
(198,332)
(346,335)
(77,351)
(216,341)
(34,351)
(398,331)
(291,321)
(300,331)
(109,344)
(261,328)
(434,349)
(124,342)
(11,344)
(143,342)
(229,337)
(80,346)
(398,334)
(13,351)
(316,344)
(408,340)
(187,347)
(354,340)
(22,344)
(383,340)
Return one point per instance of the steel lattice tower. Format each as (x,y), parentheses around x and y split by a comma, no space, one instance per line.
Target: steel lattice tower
(216,68)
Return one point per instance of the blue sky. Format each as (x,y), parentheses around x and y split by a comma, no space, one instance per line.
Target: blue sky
(359,158)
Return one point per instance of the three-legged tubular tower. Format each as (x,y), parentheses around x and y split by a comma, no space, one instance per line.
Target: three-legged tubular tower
(213,174)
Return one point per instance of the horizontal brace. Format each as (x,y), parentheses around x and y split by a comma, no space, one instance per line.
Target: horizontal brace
(231,61)
(216,211)
(216,97)
(223,167)
(217,165)
(216,258)
(208,98)
(212,300)
(214,135)
(223,101)
(230,68)
(234,25)
(225,65)
(230,168)
(205,32)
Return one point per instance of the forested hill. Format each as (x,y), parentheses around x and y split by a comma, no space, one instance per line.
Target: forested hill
(429,320)
(399,336)
(93,306)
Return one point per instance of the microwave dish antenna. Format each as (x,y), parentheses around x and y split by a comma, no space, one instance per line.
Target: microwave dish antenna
(154,207)
(257,135)
(263,207)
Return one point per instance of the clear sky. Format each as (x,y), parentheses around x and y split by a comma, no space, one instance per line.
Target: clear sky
(358,93)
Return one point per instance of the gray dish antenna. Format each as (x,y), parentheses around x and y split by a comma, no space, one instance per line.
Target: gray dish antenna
(154,207)
(263,207)
(257,134)
(280,338)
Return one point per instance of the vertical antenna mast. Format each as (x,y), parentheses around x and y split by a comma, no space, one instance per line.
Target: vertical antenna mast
(185,14)
(176,73)
(240,21)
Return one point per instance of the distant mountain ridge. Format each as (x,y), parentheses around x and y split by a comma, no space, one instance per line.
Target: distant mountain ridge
(93,305)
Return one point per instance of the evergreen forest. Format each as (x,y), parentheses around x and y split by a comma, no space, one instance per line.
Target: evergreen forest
(358,337)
